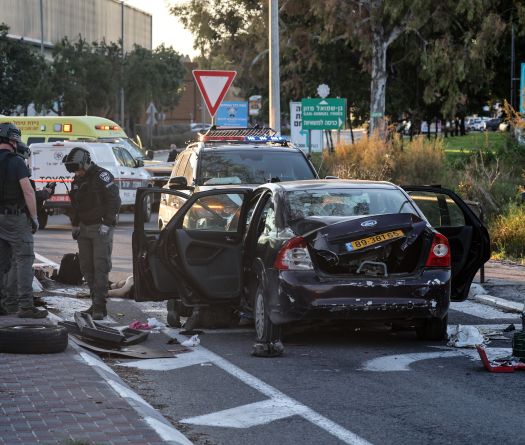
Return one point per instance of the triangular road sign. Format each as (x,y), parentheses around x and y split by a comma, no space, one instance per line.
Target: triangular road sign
(213,86)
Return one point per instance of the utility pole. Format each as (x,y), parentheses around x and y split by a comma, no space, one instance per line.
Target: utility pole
(512,67)
(122,118)
(275,84)
(42,28)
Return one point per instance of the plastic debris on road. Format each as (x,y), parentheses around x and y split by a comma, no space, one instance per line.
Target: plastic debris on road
(193,341)
(155,324)
(461,336)
(139,325)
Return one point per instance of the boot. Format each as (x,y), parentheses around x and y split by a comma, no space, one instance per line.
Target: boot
(99,312)
(31,312)
(89,311)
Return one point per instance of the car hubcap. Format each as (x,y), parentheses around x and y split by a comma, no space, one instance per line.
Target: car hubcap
(259,315)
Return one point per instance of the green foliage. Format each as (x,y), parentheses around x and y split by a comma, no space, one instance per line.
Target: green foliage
(507,233)
(23,75)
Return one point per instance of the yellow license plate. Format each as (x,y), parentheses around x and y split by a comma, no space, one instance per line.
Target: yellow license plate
(371,240)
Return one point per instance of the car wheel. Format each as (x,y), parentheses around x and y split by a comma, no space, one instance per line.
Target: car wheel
(33,339)
(265,330)
(433,329)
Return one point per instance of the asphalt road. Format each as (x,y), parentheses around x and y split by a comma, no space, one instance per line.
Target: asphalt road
(334,385)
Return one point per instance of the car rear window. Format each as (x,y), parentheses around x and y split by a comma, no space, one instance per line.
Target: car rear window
(252,168)
(345,202)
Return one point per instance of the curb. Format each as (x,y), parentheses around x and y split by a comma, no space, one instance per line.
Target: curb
(479,294)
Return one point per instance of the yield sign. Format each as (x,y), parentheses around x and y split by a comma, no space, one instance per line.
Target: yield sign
(213,86)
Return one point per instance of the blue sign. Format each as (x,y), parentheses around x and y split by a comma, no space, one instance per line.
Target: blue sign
(522,89)
(232,114)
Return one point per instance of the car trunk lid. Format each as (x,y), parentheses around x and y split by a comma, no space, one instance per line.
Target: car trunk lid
(378,245)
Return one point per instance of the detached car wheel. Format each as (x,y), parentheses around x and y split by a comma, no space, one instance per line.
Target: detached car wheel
(433,329)
(265,330)
(33,339)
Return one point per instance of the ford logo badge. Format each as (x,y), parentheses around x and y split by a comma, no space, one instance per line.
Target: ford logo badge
(369,223)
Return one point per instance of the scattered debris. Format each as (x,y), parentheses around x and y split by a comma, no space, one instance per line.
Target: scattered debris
(510,328)
(135,324)
(173,341)
(461,336)
(193,341)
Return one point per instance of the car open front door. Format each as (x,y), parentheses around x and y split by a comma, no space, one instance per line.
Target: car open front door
(469,239)
(152,278)
(197,256)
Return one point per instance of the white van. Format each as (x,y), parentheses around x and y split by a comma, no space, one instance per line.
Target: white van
(46,166)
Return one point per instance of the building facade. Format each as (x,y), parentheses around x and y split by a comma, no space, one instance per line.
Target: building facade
(93,20)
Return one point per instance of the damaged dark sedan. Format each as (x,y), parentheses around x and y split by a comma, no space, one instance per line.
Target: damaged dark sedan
(316,250)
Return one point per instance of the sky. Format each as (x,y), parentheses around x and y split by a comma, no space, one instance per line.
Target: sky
(166,28)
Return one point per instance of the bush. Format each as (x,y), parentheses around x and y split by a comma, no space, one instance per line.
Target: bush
(417,162)
(507,233)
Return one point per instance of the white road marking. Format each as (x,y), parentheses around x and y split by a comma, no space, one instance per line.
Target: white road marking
(481,310)
(45,261)
(402,362)
(167,432)
(246,416)
(285,406)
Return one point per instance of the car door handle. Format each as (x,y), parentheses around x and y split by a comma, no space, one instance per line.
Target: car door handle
(121,173)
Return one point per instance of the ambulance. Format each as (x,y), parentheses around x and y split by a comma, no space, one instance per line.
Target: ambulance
(46,166)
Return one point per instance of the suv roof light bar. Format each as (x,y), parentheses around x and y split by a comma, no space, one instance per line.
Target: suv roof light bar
(239,134)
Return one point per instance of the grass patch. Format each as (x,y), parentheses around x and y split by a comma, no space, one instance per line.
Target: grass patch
(507,233)
(475,141)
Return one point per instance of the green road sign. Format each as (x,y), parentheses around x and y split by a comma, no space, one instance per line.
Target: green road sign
(323,114)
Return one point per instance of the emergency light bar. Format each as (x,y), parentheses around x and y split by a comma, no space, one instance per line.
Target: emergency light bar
(240,135)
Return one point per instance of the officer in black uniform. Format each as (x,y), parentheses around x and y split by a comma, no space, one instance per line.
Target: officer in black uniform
(18,222)
(11,279)
(95,201)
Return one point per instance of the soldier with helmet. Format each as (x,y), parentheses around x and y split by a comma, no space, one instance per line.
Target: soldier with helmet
(18,223)
(95,201)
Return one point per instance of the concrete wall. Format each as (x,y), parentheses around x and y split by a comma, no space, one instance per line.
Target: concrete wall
(92,19)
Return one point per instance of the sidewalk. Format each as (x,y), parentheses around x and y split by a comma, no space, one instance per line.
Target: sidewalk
(504,286)
(73,398)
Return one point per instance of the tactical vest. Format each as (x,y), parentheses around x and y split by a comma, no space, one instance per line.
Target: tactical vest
(11,194)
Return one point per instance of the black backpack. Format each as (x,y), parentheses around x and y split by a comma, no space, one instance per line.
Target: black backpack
(69,272)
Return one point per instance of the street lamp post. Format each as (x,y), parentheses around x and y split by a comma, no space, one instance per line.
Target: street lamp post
(275,96)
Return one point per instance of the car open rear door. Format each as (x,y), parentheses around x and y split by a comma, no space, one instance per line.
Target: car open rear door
(197,256)
(468,237)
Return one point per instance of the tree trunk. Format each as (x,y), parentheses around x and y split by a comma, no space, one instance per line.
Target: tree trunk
(378,84)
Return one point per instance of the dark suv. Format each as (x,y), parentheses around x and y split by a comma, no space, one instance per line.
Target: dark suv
(233,157)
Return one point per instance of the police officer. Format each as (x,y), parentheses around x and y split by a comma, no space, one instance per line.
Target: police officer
(11,282)
(95,201)
(18,222)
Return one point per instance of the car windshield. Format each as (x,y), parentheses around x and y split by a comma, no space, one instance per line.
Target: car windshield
(347,202)
(254,167)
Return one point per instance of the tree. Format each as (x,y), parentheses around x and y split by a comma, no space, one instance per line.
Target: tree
(22,75)
(152,76)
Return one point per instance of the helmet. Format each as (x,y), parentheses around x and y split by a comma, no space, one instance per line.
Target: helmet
(77,159)
(23,150)
(8,131)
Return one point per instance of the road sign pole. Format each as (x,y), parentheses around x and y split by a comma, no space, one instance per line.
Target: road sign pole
(275,97)
(310,143)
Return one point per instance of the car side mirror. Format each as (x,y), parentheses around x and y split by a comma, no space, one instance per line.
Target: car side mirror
(139,163)
(149,154)
(331,177)
(177,182)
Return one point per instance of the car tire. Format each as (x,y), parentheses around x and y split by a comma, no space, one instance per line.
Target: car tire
(433,329)
(33,339)
(265,330)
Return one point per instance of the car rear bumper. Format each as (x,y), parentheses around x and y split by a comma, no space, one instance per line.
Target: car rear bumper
(301,295)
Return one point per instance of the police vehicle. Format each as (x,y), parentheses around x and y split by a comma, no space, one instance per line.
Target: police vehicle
(46,166)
